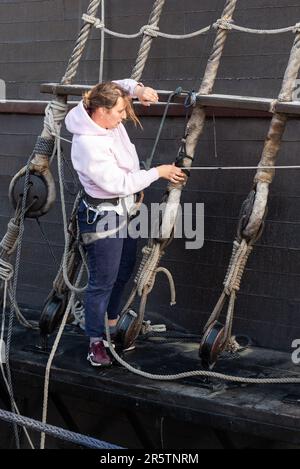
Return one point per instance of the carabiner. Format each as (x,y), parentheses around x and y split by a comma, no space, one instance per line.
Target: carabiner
(96,213)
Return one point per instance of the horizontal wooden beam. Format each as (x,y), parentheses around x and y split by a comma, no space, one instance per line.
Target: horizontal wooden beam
(175,110)
(244,103)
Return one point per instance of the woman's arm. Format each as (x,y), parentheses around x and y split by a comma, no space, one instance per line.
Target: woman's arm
(101,167)
(145,94)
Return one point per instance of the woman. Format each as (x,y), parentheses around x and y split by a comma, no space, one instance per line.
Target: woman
(108,169)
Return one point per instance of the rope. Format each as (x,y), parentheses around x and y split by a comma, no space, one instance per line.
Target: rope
(101,65)
(147,30)
(57,432)
(240,254)
(55,113)
(188,374)
(14,290)
(171,283)
(10,239)
(225,24)
(66,232)
(51,357)
(6,279)
(234,168)
(145,46)
(80,45)
(147,270)
(148,161)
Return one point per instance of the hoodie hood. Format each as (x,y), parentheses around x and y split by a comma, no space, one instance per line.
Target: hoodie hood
(78,122)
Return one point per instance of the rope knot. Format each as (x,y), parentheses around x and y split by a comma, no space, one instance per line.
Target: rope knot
(221,23)
(93,20)
(150,30)
(6,270)
(10,239)
(237,264)
(296,28)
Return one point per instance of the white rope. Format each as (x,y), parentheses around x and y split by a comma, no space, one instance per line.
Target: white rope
(211,168)
(154,30)
(101,64)
(146,29)
(52,355)
(234,168)
(224,24)
(187,374)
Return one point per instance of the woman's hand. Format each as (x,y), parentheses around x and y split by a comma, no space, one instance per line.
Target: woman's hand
(171,172)
(146,95)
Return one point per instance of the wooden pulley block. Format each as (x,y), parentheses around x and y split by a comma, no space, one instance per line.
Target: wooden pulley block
(40,194)
(211,345)
(128,328)
(52,313)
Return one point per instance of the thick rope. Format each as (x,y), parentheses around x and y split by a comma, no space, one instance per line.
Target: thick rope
(10,239)
(148,34)
(56,432)
(240,254)
(146,273)
(80,45)
(73,288)
(55,113)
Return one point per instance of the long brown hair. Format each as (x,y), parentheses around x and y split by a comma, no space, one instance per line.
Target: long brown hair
(106,95)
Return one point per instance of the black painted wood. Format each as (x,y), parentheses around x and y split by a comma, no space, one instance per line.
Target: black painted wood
(36,38)
(264,411)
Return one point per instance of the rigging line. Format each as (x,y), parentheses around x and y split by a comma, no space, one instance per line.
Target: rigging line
(61,138)
(215,136)
(217,8)
(47,241)
(233,168)
(102,45)
(2,359)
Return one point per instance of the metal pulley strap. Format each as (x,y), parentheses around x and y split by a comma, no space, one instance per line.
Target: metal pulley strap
(190,99)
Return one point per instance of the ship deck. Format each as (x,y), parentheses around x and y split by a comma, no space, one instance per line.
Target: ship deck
(271,412)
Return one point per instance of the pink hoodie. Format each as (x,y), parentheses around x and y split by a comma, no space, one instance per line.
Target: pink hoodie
(106,161)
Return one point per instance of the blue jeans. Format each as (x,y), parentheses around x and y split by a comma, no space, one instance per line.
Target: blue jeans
(111,261)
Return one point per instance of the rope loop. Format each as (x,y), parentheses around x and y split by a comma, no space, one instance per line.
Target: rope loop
(240,253)
(296,28)
(99,24)
(10,239)
(150,30)
(55,113)
(221,23)
(6,270)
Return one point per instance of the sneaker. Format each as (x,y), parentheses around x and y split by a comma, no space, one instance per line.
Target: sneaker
(97,355)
